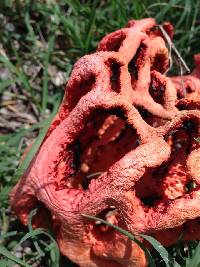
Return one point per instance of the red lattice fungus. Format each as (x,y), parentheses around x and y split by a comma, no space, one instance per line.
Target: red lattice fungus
(122,147)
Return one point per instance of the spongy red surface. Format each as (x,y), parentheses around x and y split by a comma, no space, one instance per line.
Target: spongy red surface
(122,147)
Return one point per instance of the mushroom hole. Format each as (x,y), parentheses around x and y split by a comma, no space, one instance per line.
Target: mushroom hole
(105,139)
(149,118)
(132,68)
(185,87)
(147,188)
(150,201)
(114,75)
(171,179)
(42,217)
(157,91)
(101,230)
(137,62)
(184,104)
(79,89)
(187,91)
(162,184)
(110,141)
(181,94)
(42,212)
(160,63)
(190,186)
(183,137)
(114,43)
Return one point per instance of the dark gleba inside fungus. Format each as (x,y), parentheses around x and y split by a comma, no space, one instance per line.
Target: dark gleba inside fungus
(123,147)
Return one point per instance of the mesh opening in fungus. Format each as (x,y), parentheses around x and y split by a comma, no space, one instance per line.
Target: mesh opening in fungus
(114,75)
(105,139)
(81,88)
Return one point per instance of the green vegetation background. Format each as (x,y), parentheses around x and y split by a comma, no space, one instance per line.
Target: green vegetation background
(39,43)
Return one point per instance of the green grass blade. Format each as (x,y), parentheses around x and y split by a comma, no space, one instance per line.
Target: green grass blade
(6,263)
(89,27)
(31,33)
(70,28)
(75,5)
(9,234)
(25,163)
(46,76)
(33,234)
(4,84)
(4,193)
(186,13)
(161,250)
(40,231)
(195,260)
(30,228)
(6,253)
(21,77)
(126,233)
(166,8)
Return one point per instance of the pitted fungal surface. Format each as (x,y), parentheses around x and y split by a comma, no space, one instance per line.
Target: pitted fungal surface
(123,147)
(188,87)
